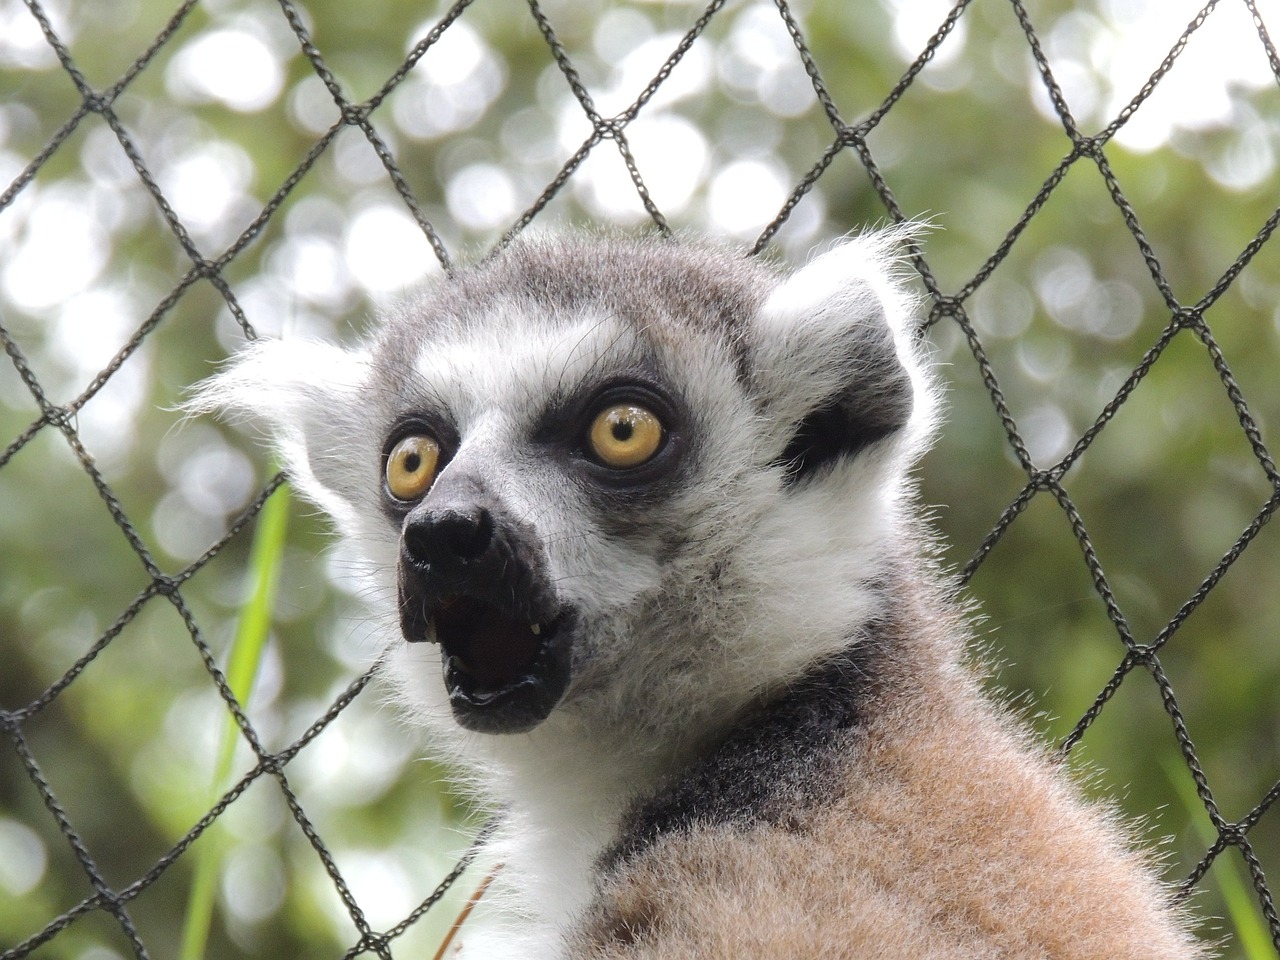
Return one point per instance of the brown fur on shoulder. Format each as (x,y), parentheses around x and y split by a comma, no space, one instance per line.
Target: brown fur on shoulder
(946,834)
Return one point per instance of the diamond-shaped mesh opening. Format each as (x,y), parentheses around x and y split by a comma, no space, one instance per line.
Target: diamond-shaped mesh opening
(1182,412)
(176,177)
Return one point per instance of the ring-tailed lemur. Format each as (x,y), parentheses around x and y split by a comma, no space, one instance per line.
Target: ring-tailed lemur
(642,516)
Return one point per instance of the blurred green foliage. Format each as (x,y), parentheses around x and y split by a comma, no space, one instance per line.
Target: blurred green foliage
(479,128)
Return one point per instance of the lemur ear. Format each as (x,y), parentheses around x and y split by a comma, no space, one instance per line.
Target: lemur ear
(839,365)
(310,399)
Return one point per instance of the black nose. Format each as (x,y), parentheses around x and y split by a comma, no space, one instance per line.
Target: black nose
(446,539)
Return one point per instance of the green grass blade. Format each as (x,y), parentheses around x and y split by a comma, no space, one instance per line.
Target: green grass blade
(1252,935)
(243,664)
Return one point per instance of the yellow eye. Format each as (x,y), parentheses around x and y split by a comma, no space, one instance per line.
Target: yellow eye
(625,435)
(411,466)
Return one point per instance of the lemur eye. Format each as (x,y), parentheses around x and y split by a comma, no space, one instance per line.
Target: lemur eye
(625,435)
(411,467)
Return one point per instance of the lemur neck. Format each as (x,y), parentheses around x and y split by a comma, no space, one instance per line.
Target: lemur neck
(564,765)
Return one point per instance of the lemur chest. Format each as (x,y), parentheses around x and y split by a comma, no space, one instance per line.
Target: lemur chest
(577,877)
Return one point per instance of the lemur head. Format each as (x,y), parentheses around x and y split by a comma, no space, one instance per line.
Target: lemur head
(618,480)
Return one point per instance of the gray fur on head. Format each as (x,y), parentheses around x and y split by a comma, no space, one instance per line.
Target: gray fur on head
(798,402)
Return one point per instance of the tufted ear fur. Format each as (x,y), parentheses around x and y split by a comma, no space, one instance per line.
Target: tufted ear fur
(837,362)
(311,399)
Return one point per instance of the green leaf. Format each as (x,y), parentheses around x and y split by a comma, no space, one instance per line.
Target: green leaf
(1252,934)
(242,668)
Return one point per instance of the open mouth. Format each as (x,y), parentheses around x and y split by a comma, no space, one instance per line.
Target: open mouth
(475,581)
(504,673)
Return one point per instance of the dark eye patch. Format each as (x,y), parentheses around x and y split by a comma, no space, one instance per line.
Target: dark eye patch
(564,432)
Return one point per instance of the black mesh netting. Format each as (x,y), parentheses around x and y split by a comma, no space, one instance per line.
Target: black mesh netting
(99,888)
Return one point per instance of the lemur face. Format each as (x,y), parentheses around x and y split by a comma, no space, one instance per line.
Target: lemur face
(541,467)
(501,513)
(563,459)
